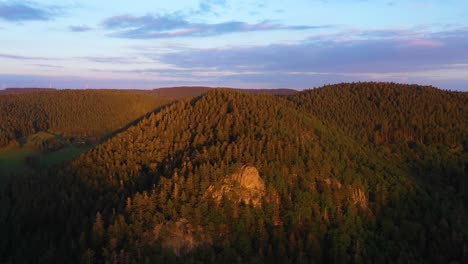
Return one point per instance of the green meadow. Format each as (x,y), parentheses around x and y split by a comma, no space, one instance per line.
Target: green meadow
(28,157)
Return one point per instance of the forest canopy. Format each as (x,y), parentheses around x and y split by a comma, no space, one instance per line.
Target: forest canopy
(74,112)
(350,173)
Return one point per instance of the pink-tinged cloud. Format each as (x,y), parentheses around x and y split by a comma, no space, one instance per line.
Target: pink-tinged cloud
(425,43)
(170,26)
(178,33)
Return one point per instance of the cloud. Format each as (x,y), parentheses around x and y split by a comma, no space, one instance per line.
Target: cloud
(391,55)
(148,22)
(111,60)
(81,82)
(82,28)
(425,43)
(208,6)
(19,57)
(400,56)
(49,66)
(384,33)
(382,54)
(17,11)
(171,26)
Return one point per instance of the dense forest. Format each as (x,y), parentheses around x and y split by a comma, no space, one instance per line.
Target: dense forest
(73,112)
(183,92)
(386,113)
(351,173)
(421,128)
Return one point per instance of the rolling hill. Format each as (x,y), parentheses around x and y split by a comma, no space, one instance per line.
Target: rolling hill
(73,112)
(389,113)
(422,129)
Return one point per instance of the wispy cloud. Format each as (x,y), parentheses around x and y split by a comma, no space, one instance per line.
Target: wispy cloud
(82,28)
(110,60)
(70,81)
(20,57)
(18,11)
(425,43)
(171,26)
(49,66)
(209,6)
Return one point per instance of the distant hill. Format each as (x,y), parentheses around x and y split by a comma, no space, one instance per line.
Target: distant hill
(75,112)
(23,90)
(255,178)
(179,92)
(192,91)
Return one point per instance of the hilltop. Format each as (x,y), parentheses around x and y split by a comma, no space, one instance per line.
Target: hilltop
(388,113)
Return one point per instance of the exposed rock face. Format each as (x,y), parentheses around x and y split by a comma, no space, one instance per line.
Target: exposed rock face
(358,197)
(245,186)
(181,236)
(249,178)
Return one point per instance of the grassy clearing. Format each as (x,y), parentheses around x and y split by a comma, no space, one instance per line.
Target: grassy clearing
(56,157)
(13,159)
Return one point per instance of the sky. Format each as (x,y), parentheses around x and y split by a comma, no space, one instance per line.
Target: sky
(294,44)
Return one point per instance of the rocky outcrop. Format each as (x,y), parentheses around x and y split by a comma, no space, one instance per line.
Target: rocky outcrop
(359,198)
(356,195)
(245,186)
(180,237)
(248,177)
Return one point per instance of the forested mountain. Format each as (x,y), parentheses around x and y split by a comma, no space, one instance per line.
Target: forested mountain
(386,113)
(421,129)
(229,176)
(234,177)
(75,112)
(25,111)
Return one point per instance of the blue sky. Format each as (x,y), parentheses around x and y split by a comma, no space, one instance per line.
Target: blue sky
(249,44)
